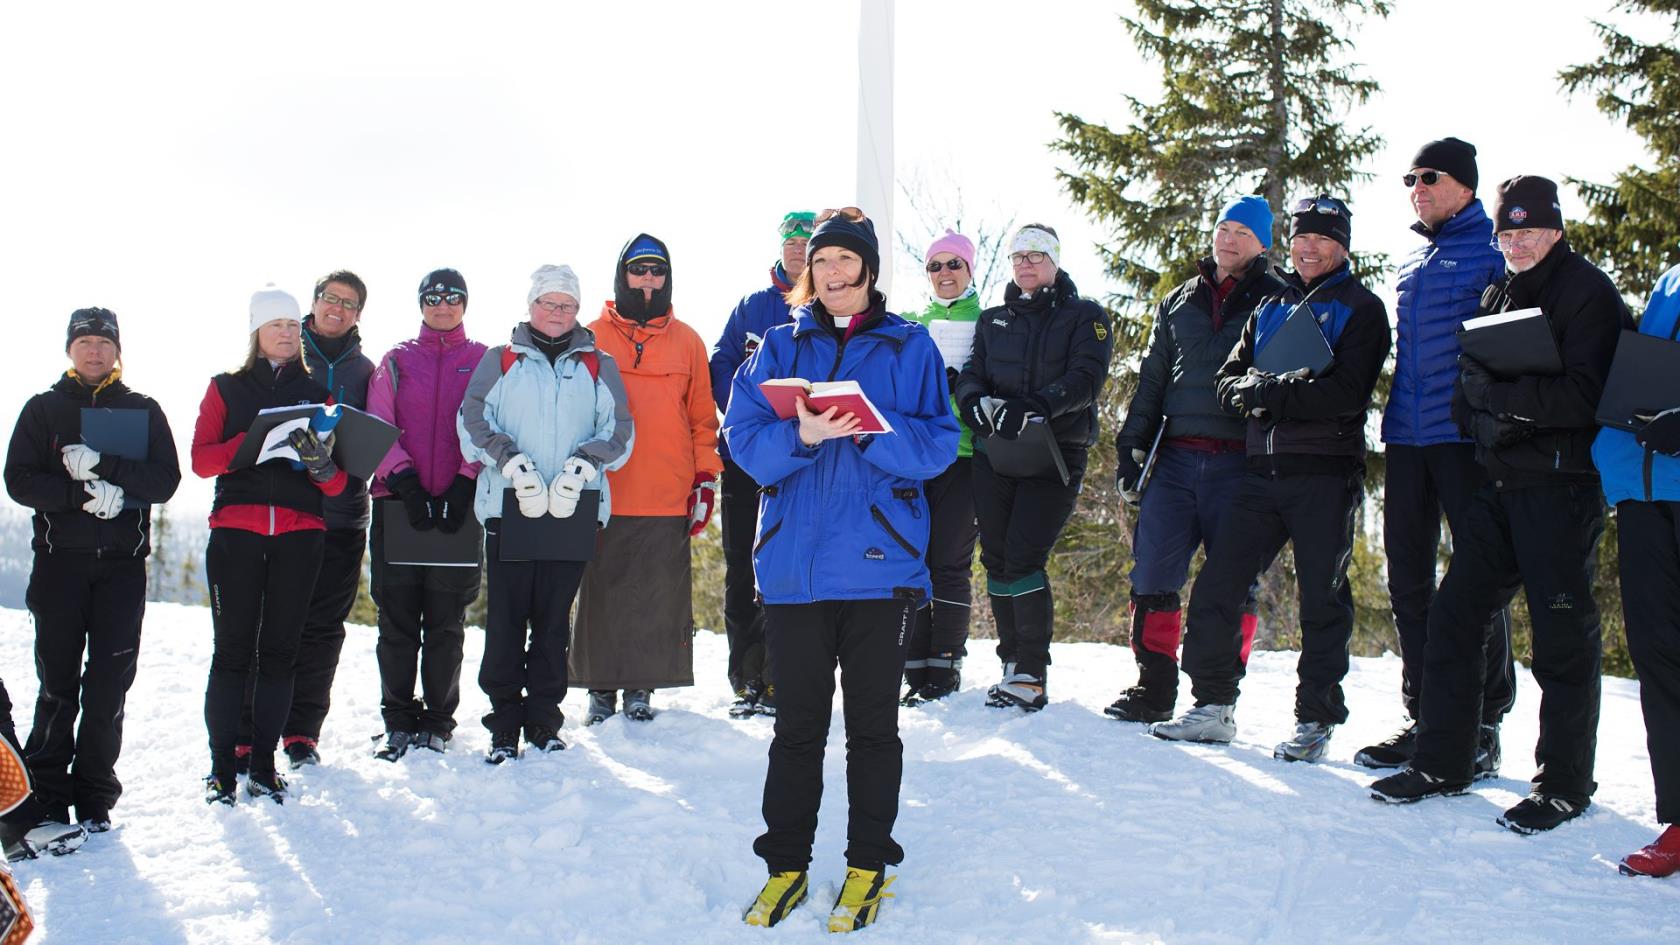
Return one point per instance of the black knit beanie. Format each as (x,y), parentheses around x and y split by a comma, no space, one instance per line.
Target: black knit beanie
(1452,155)
(1527,203)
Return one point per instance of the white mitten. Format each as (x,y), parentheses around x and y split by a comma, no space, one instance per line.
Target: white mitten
(107,499)
(79,460)
(568,486)
(528,486)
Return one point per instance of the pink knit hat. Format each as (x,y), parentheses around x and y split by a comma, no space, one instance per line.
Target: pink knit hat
(956,244)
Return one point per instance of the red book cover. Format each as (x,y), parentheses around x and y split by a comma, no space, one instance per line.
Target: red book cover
(784,392)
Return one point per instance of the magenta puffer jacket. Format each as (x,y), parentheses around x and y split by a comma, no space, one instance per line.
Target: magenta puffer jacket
(418,386)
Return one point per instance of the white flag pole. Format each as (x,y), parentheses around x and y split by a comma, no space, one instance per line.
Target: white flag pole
(875,126)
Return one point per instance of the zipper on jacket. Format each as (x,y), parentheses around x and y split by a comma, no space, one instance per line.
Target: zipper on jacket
(765,538)
(909,497)
(1650,458)
(880,517)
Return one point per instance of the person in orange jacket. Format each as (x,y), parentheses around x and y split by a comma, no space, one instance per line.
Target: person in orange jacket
(635,621)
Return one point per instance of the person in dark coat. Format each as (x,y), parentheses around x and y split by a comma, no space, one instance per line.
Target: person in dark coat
(1199,457)
(87,591)
(1430,466)
(1040,357)
(1535,524)
(1305,486)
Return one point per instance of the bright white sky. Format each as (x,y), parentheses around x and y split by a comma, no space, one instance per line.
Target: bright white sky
(164,162)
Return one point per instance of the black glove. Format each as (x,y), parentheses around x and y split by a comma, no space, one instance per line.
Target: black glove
(1127,470)
(452,507)
(416,501)
(951,381)
(1252,389)
(1662,434)
(974,414)
(1492,433)
(315,456)
(1011,418)
(1475,380)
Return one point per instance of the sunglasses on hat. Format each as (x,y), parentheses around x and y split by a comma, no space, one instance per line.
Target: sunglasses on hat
(443,298)
(850,213)
(955,265)
(1429,178)
(647,269)
(1321,204)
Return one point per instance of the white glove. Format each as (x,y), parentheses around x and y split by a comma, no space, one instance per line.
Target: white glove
(107,499)
(528,486)
(79,460)
(568,486)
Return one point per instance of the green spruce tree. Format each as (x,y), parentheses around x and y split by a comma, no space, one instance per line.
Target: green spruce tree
(1630,227)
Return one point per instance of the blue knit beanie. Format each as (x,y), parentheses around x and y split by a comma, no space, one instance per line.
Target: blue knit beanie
(1253,212)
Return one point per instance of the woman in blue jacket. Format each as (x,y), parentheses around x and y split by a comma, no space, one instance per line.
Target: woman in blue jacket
(839,559)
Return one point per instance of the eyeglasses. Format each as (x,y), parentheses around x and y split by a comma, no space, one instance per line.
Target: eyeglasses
(349,305)
(1512,238)
(647,269)
(1321,204)
(851,213)
(1429,178)
(436,298)
(564,308)
(955,265)
(1022,259)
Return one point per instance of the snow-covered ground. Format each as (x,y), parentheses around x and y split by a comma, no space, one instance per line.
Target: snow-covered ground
(1059,827)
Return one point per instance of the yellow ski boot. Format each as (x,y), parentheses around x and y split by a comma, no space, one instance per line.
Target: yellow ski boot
(782,893)
(860,899)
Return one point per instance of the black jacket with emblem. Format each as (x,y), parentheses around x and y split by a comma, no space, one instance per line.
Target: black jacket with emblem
(345,373)
(1051,348)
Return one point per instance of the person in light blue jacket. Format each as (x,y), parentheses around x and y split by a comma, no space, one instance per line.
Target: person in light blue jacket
(839,556)
(1640,473)
(546,414)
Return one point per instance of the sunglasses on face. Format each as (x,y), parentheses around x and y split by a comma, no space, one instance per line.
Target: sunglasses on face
(436,298)
(1325,205)
(564,308)
(349,305)
(851,213)
(955,265)
(1033,258)
(647,269)
(1429,178)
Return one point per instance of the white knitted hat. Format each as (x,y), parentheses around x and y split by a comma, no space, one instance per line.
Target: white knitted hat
(269,303)
(553,279)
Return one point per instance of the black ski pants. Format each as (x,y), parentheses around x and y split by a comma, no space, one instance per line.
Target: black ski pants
(87,613)
(422,628)
(527,631)
(323,630)
(1020,520)
(953,529)
(1648,545)
(1315,514)
(1543,539)
(743,617)
(260,590)
(866,639)
(1422,483)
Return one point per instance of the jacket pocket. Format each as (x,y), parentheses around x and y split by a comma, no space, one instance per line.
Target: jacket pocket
(881,519)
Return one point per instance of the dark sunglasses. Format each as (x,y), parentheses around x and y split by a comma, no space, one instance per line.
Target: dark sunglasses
(434,298)
(955,265)
(1429,178)
(647,269)
(1321,204)
(851,213)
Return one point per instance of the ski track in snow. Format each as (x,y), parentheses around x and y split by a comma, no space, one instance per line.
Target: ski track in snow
(1064,826)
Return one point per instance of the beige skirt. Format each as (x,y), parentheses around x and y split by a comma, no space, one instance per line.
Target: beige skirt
(635,619)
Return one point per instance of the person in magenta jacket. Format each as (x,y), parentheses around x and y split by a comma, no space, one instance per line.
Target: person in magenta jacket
(418,387)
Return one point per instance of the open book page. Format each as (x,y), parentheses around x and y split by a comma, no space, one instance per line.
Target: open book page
(275,445)
(1500,318)
(955,341)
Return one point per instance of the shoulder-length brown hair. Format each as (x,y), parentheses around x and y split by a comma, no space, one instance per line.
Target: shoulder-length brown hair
(804,290)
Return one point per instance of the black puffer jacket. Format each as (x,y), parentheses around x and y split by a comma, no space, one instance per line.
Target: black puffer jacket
(36,477)
(275,483)
(1552,417)
(1051,349)
(1186,350)
(345,375)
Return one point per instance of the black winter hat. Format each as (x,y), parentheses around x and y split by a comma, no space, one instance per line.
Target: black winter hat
(855,235)
(443,281)
(1324,215)
(92,321)
(1452,155)
(1527,203)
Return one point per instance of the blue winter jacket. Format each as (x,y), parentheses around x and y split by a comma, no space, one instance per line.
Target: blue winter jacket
(549,412)
(754,315)
(846,520)
(1440,284)
(1628,470)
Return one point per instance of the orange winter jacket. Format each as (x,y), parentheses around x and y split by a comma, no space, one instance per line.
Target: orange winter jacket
(670,390)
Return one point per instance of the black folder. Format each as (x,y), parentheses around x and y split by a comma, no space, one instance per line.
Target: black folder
(547,538)
(403,544)
(1512,344)
(1297,343)
(123,432)
(1034,454)
(1644,381)
(360,440)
